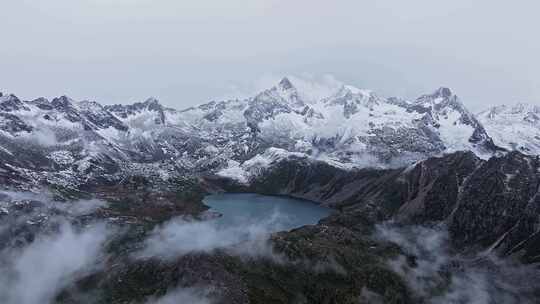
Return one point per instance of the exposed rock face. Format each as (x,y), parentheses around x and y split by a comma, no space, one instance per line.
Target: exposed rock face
(486,204)
(422,162)
(353,100)
(499,204)
(334,261)
(321,264)
(99,118)
(328,263)
(13,124)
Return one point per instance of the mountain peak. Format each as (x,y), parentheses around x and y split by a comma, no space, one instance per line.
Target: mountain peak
(152,104)
(309,90)
(62,101)
(12,97)
(286,84)
(151,101)
(11,103)
(284,91)
(443,92)
(440,98)
(90,105)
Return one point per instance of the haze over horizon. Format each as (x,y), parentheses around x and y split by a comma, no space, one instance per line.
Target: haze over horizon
(184,53)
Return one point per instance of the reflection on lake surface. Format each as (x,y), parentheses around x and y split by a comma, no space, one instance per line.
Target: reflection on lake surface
(282,212)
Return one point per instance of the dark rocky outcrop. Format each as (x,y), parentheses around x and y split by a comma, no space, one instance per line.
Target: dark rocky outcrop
(485,204)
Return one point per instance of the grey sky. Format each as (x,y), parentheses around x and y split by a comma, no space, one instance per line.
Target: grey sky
(189,52)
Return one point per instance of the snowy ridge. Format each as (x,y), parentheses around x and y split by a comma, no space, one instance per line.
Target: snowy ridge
(514,127)
(340,124)
(251,168)
(244,172)
(349,124)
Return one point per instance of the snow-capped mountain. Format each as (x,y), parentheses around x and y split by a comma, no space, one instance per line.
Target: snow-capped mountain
(514,127)
(351,125)
(63,139)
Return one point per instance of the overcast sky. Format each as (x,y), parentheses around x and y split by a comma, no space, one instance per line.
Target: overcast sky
(189,52)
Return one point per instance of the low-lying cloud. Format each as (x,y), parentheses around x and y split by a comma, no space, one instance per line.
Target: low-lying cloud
(42,136)
(43,251)
(37,272)
(182,236)
(75,207)
(184,295)
(437,275)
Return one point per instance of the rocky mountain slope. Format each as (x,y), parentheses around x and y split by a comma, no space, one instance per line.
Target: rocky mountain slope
(486,204)
(67,142)
(431,200)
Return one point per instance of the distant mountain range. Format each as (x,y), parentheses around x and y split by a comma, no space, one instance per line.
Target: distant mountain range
(343,125)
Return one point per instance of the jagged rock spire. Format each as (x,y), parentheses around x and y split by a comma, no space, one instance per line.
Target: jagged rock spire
(286,84)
